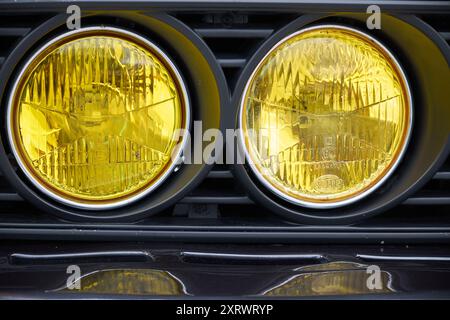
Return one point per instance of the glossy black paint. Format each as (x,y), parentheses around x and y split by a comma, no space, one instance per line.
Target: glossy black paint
(131,269)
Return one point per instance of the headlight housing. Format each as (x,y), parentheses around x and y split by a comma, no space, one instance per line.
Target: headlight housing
(325,116)
(94,115)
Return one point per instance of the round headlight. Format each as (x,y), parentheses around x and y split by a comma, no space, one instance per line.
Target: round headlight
(325,116)
(93,117)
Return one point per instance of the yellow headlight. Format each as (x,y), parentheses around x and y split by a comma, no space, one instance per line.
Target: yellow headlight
(326,116)
(93,115)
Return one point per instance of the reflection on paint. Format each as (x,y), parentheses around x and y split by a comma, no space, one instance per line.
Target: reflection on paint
(337,278)
(132,282)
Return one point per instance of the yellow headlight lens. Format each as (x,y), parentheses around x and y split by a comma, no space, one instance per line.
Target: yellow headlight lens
(325,116)
(93,117)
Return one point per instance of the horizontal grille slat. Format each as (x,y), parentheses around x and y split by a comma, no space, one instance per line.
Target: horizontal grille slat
(10,196)
(217,200)
(430,195)
(220,174)
(13,32)
(445,35)
(234,33)
(246,200)
(432,200)
(233,197)
(232,63)
(442,175)
(190,199)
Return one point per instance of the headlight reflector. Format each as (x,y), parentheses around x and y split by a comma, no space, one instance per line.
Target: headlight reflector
(325,116)
(93,117)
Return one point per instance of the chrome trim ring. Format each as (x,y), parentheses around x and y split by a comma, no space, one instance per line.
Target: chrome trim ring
(357,197)
(176,160)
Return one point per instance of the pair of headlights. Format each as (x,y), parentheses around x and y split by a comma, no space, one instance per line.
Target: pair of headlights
(93,116)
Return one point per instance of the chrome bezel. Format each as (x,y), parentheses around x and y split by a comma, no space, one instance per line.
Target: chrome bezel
(357,197)
(145,191)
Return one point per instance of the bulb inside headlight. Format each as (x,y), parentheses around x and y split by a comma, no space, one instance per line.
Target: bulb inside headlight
(325,116)
(93,117)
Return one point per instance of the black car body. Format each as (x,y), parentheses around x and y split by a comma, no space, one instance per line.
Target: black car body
(210,231)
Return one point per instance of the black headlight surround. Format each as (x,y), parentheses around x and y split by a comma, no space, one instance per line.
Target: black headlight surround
(429,145)
(199,69)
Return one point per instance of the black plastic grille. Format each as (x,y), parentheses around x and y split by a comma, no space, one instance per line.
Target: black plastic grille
(234,37)
(219,200)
